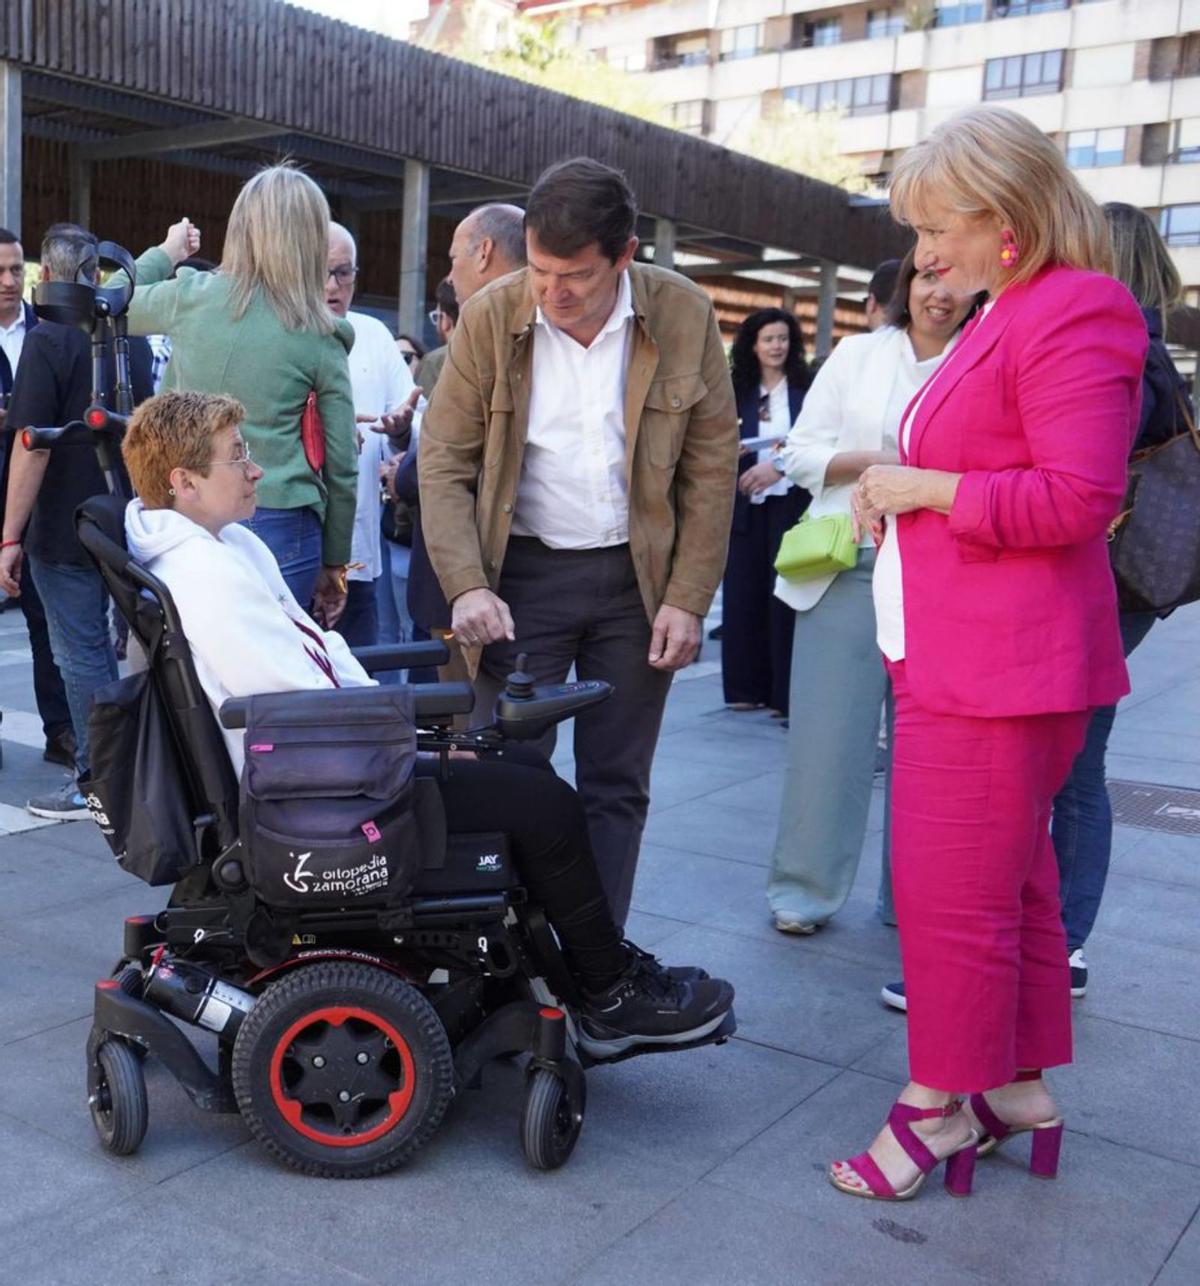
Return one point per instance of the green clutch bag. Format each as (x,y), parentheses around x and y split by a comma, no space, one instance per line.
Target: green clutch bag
(817,547)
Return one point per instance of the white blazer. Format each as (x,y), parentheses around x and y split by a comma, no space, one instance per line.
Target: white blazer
(856,401)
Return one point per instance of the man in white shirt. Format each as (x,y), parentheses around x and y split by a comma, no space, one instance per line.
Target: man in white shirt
(577,480)
(384,398)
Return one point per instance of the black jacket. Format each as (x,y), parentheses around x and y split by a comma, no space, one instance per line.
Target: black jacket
(1162,389)
(54,385)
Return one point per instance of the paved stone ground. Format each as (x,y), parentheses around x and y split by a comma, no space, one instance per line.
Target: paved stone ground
(702,1167)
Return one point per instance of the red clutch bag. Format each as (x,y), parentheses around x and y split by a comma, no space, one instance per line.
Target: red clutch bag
(312,434)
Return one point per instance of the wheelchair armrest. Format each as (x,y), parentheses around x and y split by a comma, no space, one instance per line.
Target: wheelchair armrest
(432,702)
(401,656)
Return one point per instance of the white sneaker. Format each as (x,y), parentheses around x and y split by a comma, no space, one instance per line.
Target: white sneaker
(1079,974)
(786,922)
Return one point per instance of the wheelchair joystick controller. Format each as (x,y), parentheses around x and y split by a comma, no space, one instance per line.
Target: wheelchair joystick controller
(519,684)
(525,711)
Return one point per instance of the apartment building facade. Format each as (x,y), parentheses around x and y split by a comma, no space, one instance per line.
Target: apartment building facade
(1115,82)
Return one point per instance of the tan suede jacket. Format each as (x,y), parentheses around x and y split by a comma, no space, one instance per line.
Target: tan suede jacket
(681,442)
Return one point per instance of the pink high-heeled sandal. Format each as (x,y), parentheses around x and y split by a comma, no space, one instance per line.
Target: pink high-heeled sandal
(1047,1135)
(960,1164)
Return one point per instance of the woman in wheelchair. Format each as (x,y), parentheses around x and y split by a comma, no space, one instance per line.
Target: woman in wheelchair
(196,484)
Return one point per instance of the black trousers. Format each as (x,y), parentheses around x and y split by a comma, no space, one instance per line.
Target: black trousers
(583,608)
(756,628)
(548,835)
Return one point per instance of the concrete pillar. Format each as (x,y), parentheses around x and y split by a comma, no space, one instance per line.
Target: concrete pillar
(10,147)
(414,245)
(80,187)
(826,303)
(664,243)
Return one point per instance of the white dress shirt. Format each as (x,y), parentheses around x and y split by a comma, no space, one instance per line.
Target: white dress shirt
(887,584)
(12,340)
(572,493)
(778,421)
(855,404)
(380,381)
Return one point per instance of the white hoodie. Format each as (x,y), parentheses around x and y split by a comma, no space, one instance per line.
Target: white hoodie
(246,632)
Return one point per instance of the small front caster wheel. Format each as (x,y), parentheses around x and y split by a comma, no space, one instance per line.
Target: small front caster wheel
(118,1104)
(549,1126)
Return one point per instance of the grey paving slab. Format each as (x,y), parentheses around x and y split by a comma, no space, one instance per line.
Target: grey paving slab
(1144,985)
(467,1209)
(1151,911)
(673,783)
(41,993)
(1155,855)
(153,1241)
(701,827)
(44,1079)
(84,838)
(1144,767)
(702,741)
(758,796)
(1183,1266)
(802,1002)
(713,1237)
(36,874)
(1112,1215)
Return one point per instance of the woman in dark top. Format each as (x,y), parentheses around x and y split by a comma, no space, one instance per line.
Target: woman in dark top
(770,378)
(1082,825)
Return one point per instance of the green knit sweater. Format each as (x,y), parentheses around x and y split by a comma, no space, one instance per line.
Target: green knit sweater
(270,370)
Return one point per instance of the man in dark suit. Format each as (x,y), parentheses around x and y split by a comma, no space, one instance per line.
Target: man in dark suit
(54,385)
(17,319)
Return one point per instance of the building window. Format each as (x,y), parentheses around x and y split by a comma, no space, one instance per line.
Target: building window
(885,22)
(952,14)
(1187,141)
(741,42)
(1090,148)
(690,117)
(1180,225)
(859,96)
(681,51)
(1019,8)
(1023,74)
(827,31)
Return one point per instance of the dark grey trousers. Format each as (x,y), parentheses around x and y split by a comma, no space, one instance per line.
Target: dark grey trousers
(582,608)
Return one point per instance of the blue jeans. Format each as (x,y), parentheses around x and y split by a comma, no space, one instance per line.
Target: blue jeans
(76,605)
(391,594)
(359,624)
(294,537)
(1082,824)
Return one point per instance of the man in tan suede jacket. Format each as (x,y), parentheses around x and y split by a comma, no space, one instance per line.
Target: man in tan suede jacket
(577,470)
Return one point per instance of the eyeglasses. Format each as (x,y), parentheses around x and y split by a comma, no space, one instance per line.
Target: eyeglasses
(242,461)
(410,358)
(343,274)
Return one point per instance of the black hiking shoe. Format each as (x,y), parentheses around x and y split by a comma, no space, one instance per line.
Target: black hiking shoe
(647,1007)
(677,973)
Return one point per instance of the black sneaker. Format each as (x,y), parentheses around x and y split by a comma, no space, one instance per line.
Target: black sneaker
(646,1007)
(1079,972)
(893,996)
(60,749)
(677,973)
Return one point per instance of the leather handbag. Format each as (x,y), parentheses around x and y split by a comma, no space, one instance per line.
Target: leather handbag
(817,547)
(1154,542)
(312,433)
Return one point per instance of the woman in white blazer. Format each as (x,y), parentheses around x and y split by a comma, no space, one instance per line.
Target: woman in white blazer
(848,422)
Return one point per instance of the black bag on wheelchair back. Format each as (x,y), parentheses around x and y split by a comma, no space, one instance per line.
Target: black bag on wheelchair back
(327,816)
(135,788)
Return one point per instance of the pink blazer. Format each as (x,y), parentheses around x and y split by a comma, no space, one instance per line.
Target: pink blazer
(1009,602)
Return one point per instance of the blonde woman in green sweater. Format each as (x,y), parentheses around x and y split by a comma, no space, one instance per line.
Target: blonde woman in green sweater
(258,329)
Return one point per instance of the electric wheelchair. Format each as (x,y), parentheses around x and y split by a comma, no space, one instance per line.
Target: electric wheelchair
(344,1030)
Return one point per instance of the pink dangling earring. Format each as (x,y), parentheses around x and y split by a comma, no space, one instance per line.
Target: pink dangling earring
(1010,252)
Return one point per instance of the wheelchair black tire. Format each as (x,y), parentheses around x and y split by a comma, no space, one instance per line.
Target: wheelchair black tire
(120,1110)
(397,1034)
(549,1129)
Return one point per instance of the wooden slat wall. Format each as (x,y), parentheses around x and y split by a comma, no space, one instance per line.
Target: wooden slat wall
(285,65)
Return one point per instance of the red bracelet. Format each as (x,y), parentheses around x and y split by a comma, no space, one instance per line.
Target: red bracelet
(8,544)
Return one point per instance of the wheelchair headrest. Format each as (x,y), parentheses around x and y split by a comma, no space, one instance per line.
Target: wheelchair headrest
(100,525)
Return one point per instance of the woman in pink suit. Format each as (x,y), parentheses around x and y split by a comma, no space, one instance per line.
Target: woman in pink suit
(997,614)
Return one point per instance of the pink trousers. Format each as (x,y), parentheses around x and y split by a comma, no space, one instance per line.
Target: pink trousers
(976,888)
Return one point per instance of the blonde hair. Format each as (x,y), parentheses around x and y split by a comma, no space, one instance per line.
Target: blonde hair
(1141,260)
(174,431)
(278,242)
(993,161)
